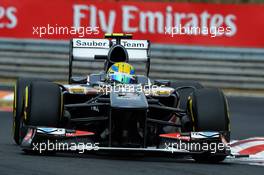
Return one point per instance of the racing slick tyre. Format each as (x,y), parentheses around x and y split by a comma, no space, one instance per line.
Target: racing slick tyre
(43,104)
(185,88)
(208,110)
(19,90)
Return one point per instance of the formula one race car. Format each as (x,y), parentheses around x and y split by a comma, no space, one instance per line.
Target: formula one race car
(117,110)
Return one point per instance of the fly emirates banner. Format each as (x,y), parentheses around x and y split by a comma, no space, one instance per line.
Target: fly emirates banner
(160,22)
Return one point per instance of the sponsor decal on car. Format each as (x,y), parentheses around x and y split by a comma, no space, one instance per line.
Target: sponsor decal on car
(54,131)
(63,132)
(204,135)
(94,43)
(175,135)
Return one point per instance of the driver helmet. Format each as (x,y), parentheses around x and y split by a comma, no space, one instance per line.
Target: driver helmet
(121,72)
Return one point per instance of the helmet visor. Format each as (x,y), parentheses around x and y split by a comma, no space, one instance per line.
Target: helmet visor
(122,78)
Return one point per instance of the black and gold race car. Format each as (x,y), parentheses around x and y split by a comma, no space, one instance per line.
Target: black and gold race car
(148,116)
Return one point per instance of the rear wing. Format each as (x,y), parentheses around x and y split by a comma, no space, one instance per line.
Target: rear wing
(97,49)
(92,49)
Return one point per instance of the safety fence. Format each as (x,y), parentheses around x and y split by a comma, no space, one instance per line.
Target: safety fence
(241,68)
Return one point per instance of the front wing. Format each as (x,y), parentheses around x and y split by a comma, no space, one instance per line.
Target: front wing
(45,139)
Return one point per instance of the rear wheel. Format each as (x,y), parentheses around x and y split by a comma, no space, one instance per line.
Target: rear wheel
(209,112)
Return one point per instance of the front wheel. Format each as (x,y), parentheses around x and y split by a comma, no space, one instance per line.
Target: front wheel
(43,104)
(208,110)
(19,93)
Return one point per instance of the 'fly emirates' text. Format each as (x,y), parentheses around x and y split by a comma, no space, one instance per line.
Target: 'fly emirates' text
(150,22)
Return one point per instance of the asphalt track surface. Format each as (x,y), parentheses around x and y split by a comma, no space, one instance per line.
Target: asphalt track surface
(247,115)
